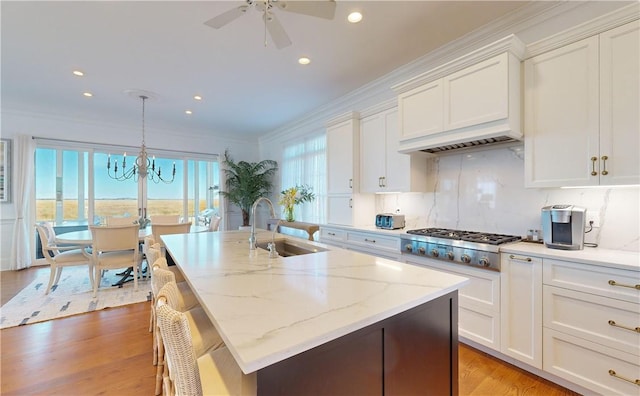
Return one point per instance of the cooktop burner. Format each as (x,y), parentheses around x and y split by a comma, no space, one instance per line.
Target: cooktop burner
(470,236)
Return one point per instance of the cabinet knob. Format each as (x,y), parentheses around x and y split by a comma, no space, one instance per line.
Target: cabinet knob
(604,165)
(593,166)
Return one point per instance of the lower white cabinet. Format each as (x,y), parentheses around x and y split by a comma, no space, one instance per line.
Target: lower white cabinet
(374,243)
(603,370)
(478,301)
(521,319)
(591,325)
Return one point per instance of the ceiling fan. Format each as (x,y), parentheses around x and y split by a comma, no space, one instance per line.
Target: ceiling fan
(316,8)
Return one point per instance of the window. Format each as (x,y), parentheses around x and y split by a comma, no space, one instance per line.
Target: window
(72,186)
(305,163)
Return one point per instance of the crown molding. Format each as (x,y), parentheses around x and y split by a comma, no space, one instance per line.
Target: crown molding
(380,107)
(590,28)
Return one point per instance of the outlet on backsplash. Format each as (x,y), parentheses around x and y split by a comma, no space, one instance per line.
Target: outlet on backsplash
(595,217)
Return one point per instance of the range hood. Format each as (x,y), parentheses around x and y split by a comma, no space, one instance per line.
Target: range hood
(477,137)
(472,102)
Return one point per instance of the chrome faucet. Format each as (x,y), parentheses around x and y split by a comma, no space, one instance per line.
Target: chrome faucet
(252,238)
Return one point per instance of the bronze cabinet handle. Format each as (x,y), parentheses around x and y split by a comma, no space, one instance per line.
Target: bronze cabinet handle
(613,323)
(613,374)
(369,240)
(593,166)
(604,165)
(350,183)
(514,257)
(614,283)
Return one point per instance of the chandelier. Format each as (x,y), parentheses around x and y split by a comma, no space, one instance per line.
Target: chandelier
(143,167)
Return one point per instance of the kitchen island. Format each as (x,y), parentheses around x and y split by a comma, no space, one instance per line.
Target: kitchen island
(328,322)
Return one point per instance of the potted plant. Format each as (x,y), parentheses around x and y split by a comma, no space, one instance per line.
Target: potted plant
(293,196)
(246,182)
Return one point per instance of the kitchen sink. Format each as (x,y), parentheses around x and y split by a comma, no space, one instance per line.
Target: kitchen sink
(288,248)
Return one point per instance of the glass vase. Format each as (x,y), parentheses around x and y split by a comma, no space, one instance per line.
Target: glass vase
(288,214)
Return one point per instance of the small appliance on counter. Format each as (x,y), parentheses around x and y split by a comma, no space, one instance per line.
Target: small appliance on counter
(563,226)
(389,221)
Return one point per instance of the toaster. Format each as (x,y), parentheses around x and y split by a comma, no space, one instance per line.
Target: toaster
(389,221)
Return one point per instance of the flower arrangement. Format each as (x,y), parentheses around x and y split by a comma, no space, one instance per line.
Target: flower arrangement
(293,196)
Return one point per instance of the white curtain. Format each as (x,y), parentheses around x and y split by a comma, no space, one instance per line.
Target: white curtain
(304,162)
(24,153)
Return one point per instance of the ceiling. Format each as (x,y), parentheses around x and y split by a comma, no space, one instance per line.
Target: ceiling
(247,88)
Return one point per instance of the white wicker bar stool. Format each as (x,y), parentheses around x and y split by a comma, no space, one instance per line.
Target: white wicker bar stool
(203,335)
(212,373)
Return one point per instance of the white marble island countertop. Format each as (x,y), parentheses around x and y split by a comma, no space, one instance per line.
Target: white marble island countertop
(267,309)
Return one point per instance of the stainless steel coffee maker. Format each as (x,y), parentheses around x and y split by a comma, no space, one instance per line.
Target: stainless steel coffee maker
(563,226)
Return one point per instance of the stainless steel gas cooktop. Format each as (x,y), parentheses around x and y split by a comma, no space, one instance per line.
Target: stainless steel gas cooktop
(479,249)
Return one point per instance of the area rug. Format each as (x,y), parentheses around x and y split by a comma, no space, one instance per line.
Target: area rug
(72,296)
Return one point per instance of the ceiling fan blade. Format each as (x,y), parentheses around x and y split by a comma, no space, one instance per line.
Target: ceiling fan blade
(226,17)
(316,8)
(276,31)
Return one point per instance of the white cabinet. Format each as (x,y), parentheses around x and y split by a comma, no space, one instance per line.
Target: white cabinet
(421,111)
(378,243)
(590,322)
(472,100)
(382,167)
(345,206)
(342,154)
(478,301)
(581,112)
(521,298)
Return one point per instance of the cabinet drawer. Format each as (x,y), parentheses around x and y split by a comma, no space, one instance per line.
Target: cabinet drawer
(587,316)
(481,327)
(482,293)
(374,241)
(588,364)
(602,281)
(332,235)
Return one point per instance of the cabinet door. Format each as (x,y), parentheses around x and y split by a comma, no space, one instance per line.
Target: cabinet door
(620,105)
(521,302)
(477,94)
(562,116)
(421,110)
(340,210)
(399,172)
(340,158)
(372,153)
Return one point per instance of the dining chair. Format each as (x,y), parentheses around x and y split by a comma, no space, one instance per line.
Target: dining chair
(166,229)
(115,247)
(203,334)
(165,219)
(59,257)
(119,220)
(214,372)
(214,223)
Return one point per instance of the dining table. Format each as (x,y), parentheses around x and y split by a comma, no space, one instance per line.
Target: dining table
(84,238)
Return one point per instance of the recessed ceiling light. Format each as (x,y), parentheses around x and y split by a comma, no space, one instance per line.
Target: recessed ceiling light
(189,112)
(304,60)
(354,17)
(78,73)
(88,94)
(197,97)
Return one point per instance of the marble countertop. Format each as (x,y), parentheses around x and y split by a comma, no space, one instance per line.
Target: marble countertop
(596,256)
(267,310)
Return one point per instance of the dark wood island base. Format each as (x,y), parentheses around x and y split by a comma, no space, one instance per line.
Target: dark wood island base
(412,353)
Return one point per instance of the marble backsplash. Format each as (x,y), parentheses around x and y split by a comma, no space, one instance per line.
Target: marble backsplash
(484,191)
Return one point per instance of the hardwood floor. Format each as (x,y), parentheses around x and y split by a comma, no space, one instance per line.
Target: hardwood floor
(108,352)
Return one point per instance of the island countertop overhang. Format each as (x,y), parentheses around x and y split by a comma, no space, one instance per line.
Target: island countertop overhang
(267,310)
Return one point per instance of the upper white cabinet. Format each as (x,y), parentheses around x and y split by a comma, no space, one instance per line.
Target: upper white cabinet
(581,112)
(345,206)
(382,167)
(342,154)
(473,100)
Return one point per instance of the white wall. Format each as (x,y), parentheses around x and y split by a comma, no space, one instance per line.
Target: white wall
(82,130)
(484,191)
